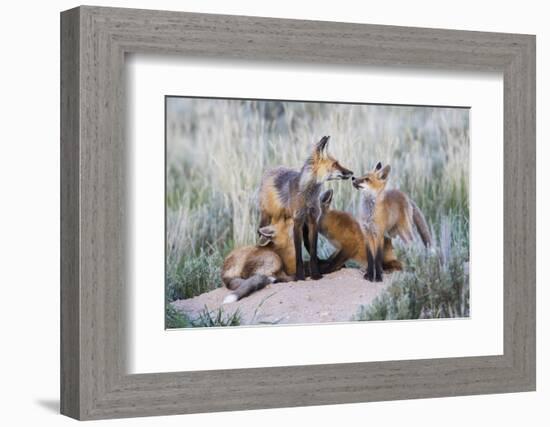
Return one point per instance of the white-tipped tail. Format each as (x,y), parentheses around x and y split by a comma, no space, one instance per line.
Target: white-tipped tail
(230,298)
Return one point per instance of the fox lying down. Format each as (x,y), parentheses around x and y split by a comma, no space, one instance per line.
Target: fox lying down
(250,268)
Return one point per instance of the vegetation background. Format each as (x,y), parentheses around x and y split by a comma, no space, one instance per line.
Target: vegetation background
(217,150)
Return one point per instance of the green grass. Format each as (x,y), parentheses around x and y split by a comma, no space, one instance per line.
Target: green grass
(217,151)
(194,275)
(175,319)
(435,284)
(205,319)
(216,318)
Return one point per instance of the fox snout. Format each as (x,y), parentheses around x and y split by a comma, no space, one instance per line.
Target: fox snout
(340,172)
(356,182)
(362,183)
(374,181)
(347,174)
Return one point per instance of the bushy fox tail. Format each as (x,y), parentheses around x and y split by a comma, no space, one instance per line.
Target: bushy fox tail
(421,225)
(243,287)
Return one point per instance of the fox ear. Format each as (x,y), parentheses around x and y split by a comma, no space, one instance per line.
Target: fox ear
(378,166)
(321,146)
(326,197)
(266,235)
(384,172)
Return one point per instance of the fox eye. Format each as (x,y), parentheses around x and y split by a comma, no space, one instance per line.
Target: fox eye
(367,179)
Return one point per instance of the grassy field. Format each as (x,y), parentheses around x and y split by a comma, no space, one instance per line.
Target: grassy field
(217,151)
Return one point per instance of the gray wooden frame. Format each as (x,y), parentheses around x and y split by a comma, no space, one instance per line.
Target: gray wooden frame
(94,41)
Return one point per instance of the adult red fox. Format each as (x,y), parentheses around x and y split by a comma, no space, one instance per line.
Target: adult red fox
(344,232)
(250,268)
(390,212)
(288,193)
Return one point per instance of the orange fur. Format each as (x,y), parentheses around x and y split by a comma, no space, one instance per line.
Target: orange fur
(346,235)
(286,193)
(250,268)
(387,212)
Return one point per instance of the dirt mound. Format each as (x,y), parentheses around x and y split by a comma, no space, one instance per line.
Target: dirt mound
(335,298)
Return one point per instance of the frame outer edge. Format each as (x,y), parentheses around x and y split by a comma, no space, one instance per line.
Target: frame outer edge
(528,131)
(520,215)
(87,388)
(532,137)
(70,396)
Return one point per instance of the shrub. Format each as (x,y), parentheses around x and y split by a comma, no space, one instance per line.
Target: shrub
(194,275)
(216,318)
(175,319)
(434,285)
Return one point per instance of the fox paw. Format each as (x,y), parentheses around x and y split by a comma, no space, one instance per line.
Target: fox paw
(300,276)
(316,276)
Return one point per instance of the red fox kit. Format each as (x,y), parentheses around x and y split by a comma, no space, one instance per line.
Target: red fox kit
(344,232)
(386,211)
(288,193)
(250,268)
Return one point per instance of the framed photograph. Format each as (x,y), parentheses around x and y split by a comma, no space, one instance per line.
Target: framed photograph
(277,213)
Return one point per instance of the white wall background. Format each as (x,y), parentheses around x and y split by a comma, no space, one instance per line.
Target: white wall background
(29,211)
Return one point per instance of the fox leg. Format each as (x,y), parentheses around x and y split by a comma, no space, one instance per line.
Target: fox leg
(411,235)
(378,266)
(405,231)
(306,238)
(392,265)
(390,261)
(405,235)
(369,275)
(313,261)
(297,235)
(283,277)
(334,262)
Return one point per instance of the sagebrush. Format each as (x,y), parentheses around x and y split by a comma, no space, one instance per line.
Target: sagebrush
(434,284)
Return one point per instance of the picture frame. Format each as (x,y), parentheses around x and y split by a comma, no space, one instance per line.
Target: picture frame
(94,267)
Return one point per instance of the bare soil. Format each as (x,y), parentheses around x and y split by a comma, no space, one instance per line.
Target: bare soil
(334,298)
